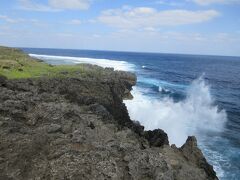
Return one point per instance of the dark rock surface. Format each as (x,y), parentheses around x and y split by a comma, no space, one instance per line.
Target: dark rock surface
(79,128)
(156,138)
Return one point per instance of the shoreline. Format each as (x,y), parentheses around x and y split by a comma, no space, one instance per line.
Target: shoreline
(73,114)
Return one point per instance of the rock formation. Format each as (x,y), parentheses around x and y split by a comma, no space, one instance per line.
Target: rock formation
(79,128)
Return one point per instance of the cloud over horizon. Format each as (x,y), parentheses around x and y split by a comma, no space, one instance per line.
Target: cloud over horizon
(145,17)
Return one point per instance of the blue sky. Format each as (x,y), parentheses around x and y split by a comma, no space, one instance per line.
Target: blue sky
(187,26)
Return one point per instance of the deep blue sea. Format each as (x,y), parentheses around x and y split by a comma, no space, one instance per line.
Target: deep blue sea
(181,94)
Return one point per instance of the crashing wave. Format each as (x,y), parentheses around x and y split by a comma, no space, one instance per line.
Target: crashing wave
(117,65)
(193,116)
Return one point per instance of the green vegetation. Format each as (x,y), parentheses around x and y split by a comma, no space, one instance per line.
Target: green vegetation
(15,64)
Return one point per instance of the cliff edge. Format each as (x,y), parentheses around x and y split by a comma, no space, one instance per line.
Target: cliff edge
(77,127)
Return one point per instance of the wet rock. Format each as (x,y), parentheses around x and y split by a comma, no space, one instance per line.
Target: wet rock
(137,127)
(191,151)
(156,138)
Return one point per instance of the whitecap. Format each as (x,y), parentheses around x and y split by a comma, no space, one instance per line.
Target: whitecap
(160,89)
(163,90)
(117,65)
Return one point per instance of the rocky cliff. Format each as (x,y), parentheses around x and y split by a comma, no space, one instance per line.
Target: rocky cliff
(78,128)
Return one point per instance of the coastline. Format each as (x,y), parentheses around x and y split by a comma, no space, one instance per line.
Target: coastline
(76,116)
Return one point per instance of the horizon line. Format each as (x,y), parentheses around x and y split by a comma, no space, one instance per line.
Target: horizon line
(125,51)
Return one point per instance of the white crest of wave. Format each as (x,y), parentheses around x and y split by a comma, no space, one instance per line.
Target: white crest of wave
(193,116)
(117,65)
(160,89)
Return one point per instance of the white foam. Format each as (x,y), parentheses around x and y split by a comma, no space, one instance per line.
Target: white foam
(193,116)
(117,65)
(216,159)
(163,90)
(196,115)
(160,89)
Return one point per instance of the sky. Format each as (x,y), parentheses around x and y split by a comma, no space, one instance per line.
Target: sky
(164,26)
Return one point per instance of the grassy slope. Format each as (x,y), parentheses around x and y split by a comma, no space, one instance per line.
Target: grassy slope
(15,64)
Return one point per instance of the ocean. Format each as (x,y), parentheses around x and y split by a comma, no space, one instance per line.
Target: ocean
(184,95)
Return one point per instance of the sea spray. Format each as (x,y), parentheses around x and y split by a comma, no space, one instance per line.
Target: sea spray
(195,115)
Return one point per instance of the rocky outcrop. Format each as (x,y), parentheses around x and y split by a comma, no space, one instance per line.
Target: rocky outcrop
(194,154)
(79,128)
(156,138)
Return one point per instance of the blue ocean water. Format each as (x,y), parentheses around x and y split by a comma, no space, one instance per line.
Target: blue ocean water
(182,94)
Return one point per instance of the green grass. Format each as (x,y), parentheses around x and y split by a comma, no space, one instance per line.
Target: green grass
(15,64)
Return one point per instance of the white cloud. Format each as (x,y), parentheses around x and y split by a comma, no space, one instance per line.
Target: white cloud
(12,20)
(208,2)
(31,6)
(75,22)
(70,4)
(140,41)
(54,5)
(144,17)
(169,3)
(5,18)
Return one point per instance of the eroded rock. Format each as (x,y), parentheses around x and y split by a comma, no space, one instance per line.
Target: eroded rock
(79,128)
